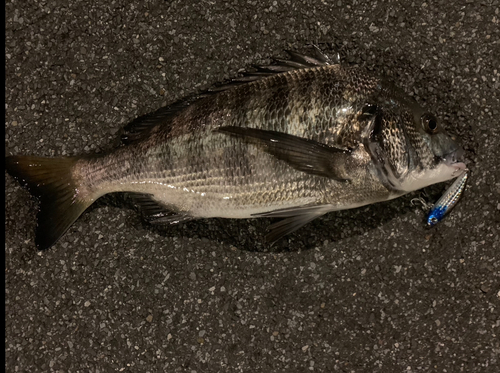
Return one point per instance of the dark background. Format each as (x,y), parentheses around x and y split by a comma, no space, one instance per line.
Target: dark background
(370,289)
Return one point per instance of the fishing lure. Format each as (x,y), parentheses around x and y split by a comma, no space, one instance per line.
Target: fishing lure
(448,200)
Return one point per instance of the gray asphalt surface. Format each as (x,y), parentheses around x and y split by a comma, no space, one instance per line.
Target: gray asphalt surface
(365,290)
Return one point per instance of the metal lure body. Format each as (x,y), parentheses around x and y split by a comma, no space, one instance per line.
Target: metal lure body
(448,200)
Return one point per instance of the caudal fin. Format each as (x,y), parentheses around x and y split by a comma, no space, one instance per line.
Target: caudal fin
(49,179)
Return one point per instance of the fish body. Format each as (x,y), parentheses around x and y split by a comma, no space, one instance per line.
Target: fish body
(293,140)
(448,200)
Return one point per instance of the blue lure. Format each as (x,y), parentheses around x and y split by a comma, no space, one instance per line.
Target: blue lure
(449,199)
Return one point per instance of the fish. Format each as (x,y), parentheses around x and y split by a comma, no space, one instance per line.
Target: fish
(295,139)
(448,200)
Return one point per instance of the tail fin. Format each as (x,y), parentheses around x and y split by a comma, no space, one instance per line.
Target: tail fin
(50,179)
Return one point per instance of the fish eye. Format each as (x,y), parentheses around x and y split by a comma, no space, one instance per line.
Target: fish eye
(369,109)
(429,122)
(432,125)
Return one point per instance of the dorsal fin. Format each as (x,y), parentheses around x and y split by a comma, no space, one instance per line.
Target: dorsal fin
(297,61)
(139,128)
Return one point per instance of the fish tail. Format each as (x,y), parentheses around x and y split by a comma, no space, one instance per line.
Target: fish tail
(51,180)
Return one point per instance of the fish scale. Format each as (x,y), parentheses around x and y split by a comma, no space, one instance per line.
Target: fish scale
(294,140)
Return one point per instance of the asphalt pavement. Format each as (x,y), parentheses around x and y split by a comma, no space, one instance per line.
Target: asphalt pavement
(365,290)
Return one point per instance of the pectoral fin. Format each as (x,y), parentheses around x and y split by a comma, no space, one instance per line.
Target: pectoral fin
(304,155)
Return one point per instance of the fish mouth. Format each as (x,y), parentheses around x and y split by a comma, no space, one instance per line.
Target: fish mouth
(453,160)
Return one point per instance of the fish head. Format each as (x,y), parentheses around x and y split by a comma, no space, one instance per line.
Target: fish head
(436,154)
(409,146)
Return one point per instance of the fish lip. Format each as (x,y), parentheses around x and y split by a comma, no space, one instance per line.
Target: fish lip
(453,160)
(459,168)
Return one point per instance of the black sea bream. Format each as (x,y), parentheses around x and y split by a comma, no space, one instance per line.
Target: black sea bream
(293,140)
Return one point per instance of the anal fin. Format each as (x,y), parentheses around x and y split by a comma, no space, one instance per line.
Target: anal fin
(155,212)
(169,218)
